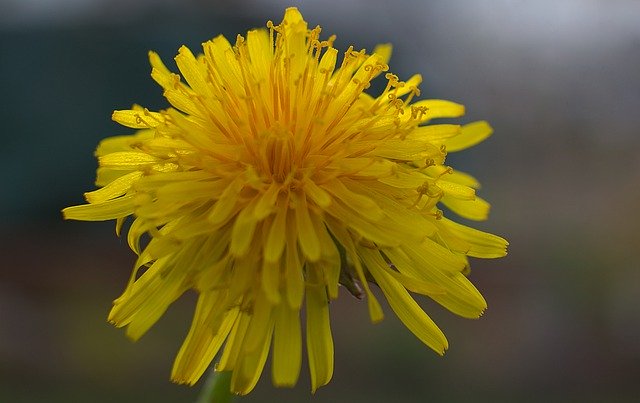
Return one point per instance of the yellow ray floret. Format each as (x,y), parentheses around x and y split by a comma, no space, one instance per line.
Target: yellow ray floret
(273,178)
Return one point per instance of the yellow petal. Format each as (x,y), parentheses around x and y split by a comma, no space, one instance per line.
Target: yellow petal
(160,73)
(471,134)
(223,208)
(243,230)
(477,209)
(117,188)
(364,205)
(435,132)
(379,233)
(416,285)
(319,340)
(307,232)
(271,281)
(267,202)
(463,179)
(260,52)
(127,160)
(383,50)
(261,320)
(292,16)
(137,119)
(330,263)
(344,238)
(249,369)
(410,85)
(200,135)
(287,346)
(318,195)
(255,347)
(182,98)
(364,168)
(158,297)
(105,176)
(276,240)
(411,223)
(483,244)
(295,31)
(406,150)
(455,190)
(175,190)
(325,69)
(108,210)
(220,54)
(243,276)
(404,306)
(233,346)
(440,108)
(192,70)
(133,299)
(136,230)
(209,328)
(294,278)
(460,296)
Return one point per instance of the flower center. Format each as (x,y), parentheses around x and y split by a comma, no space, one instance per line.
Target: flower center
(279,157)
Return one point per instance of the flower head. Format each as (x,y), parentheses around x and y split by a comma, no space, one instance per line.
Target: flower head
(274,178)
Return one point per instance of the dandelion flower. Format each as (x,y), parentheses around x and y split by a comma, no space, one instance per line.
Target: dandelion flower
(274,178)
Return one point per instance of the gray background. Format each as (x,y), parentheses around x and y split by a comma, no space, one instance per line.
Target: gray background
(558,80)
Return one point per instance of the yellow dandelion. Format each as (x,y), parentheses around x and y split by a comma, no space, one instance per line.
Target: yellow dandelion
(273,179)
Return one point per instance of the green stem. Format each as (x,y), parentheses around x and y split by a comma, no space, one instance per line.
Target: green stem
(217,388)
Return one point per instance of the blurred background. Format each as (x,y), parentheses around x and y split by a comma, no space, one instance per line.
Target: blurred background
(559,82)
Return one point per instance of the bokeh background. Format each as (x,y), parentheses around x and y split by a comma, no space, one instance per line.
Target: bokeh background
(558,80)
